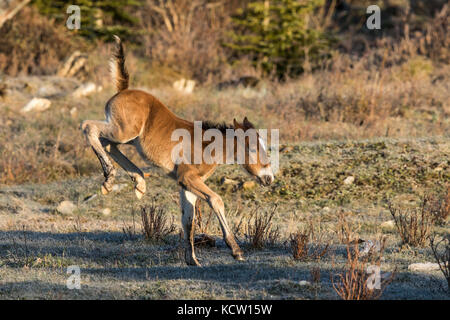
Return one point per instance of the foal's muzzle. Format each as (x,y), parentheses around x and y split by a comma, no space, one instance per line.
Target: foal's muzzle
(266,179)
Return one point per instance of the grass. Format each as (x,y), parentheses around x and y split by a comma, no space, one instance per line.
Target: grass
(115,265)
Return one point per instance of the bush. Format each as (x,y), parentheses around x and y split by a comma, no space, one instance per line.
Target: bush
(33,44)
(277,36)
(414,226)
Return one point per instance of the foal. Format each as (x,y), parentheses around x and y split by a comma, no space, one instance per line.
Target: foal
(137,118)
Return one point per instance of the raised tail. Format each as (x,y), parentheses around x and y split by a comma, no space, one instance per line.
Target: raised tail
(119,72)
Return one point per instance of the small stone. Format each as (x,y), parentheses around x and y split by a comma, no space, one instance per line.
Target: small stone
(37,104)
(423,267)
(85,90)
(286,149)
(73,111)
(66,207)
(349,180)
(106,211)
(390,224)
(119,187)
(304,283)
(248,185)
(225,181)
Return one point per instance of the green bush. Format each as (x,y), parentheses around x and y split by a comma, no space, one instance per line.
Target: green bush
(278,37)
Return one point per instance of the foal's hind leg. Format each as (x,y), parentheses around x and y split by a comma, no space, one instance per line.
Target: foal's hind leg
(187,202)
(131,169)
(93,130)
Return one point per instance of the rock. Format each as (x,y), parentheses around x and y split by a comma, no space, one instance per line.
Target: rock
(37,104)
(119,187)
(349,180)
(225,181)
(48,90)
(248,185)
(74,65)
(423,267)
(304,283)
(390,224)
(106,211)
(73,111)
(66,207)
(183,85)
(85,90)
(286,149)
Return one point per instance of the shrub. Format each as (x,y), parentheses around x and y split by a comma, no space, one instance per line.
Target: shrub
(414,226)
(260,230)
(155,224)
(357,281)
(442,256)
(302,249)
(33,44)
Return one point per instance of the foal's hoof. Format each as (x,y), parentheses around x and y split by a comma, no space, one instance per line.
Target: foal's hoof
(139,194)
(192,261)
(106,189)
(239,257)
(140,188)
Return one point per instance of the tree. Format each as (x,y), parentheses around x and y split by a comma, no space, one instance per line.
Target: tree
(99,18)
(277,36)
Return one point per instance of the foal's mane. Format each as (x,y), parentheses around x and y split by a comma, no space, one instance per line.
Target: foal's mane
(221,126)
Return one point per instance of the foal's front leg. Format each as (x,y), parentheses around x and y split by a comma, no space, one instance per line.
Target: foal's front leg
(193,183)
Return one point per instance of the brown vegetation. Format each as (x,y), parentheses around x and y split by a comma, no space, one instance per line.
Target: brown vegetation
(415,225)
(362,278)
(155,222)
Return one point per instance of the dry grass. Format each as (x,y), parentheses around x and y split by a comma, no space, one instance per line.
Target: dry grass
(303,248)
(441,252)
(439,207)
(259,228)
(414,226)
(155,222)
(362,278)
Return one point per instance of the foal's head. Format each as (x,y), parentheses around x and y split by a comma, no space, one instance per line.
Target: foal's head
(256,160)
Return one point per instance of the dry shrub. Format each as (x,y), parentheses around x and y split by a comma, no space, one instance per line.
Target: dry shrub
(357,281)
(413,225)
(439,207)
(442,256)
(259,230)
(315,275)
(302,247)
(33,44)
(202,225)
(155,223)
(186,36)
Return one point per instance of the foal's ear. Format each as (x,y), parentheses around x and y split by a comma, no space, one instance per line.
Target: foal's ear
(236,124)
(248,124)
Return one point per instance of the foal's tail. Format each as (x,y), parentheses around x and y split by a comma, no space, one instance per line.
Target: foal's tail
(117,65)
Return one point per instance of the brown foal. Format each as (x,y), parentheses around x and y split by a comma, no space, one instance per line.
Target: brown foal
(138,118)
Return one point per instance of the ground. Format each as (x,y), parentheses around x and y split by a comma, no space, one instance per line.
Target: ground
(37,243)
